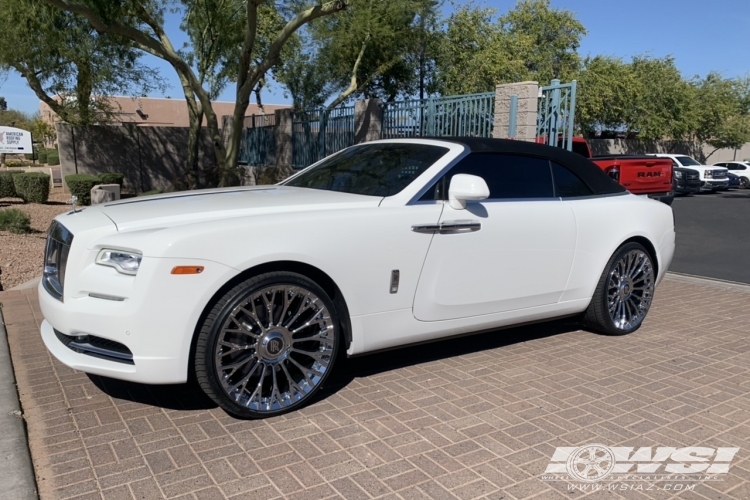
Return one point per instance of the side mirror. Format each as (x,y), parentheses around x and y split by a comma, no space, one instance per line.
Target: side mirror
(465,187)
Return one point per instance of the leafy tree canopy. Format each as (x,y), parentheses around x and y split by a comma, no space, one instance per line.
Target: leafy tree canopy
(68,64)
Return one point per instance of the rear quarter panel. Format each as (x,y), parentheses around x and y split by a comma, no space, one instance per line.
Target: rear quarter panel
(603,224)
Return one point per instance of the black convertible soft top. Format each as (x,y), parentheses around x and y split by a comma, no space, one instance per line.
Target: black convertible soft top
(598,181)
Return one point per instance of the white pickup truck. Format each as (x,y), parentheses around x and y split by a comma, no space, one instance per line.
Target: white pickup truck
(712,178)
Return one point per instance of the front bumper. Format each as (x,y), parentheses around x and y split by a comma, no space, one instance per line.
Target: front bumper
(156,320)
(722,185)
(682,186)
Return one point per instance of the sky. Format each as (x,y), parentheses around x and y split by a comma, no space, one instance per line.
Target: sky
(701,36)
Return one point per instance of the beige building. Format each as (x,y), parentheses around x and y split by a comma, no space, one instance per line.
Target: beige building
(161,112)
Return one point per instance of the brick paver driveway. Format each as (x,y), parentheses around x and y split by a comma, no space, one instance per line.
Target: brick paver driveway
(473,417)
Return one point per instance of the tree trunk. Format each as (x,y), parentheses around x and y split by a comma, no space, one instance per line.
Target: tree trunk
(192,170)
(83,94)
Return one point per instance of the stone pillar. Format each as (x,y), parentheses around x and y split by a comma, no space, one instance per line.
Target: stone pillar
(283,137)
(528,96)
(368,120)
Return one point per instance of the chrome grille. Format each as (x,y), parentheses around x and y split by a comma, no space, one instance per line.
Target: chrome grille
(56,253)
(720,174)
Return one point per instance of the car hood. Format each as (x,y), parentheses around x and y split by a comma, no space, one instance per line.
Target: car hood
(197,206)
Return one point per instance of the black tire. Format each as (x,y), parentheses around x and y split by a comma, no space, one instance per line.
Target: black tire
(598,317)
(271,350)
(744,183)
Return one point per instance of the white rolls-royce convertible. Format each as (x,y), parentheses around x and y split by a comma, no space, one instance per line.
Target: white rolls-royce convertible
(254,291)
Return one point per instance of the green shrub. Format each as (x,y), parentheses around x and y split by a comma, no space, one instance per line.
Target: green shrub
(112,178)
(149,193)
(7,186)
(28,156)
(42,157)
(80,185)
(15,221)
(53,157)
(32,186)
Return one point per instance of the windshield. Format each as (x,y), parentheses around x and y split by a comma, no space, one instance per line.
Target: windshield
(687,161)
(371,169)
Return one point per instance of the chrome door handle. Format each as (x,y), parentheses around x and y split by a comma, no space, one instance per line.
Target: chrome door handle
(460,226)
(449,227)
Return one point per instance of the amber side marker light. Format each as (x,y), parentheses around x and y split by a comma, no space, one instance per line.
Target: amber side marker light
(187,270)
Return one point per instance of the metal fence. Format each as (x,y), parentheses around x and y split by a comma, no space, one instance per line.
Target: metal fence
(556,121)
(318,133)
(258,146)
(463,115)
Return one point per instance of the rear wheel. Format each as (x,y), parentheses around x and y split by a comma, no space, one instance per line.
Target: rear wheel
(267,345)
(624,293)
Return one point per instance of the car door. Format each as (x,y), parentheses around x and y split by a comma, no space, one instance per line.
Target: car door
(511,251)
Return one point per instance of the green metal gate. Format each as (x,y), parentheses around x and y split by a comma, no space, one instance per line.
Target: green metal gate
(557,104)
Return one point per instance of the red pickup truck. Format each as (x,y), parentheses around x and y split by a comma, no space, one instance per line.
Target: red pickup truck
(639,174)
(643,175)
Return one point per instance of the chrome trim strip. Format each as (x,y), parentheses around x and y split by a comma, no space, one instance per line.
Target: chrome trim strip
(86,348)
(106,297)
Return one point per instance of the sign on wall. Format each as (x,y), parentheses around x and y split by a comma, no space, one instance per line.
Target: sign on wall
(15,140)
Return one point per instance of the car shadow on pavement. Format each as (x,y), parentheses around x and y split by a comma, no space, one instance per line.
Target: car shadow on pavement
(189,396)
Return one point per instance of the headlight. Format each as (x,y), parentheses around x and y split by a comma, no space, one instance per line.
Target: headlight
(677,175)
(124,261)
(708,174)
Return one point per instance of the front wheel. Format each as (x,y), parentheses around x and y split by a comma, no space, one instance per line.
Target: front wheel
(267,345)
(744,182)
(624,293)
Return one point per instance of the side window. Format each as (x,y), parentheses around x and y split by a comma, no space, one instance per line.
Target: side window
(507,176)
(741,167)
(568,184)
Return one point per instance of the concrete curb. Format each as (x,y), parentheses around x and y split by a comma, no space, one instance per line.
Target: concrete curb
(32,283)
(16,472)
(714,282)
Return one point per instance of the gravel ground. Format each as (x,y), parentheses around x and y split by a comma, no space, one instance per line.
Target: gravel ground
(21,254)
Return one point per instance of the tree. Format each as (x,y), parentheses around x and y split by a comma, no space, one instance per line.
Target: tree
(371,50)
(531,42)
(67,64)
(663,100)
(606,94)
(721,112)
(142,23)
(474,55)
(546,39)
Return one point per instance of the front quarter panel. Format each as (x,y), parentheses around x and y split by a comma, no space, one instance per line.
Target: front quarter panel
(358,248)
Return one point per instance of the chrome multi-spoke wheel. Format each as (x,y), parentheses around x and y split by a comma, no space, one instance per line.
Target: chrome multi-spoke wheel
(624,293)
(269,348)
(630,290)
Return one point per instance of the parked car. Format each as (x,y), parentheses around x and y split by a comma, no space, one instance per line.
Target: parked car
(686,181)
(712,178)
(639,174)
(256,290)
(734,180)
(738,168)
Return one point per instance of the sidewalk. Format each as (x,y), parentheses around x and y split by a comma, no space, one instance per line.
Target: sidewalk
(476,417)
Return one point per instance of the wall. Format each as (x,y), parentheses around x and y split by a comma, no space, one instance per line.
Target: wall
(703,154)
(159,112)
(150,157)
